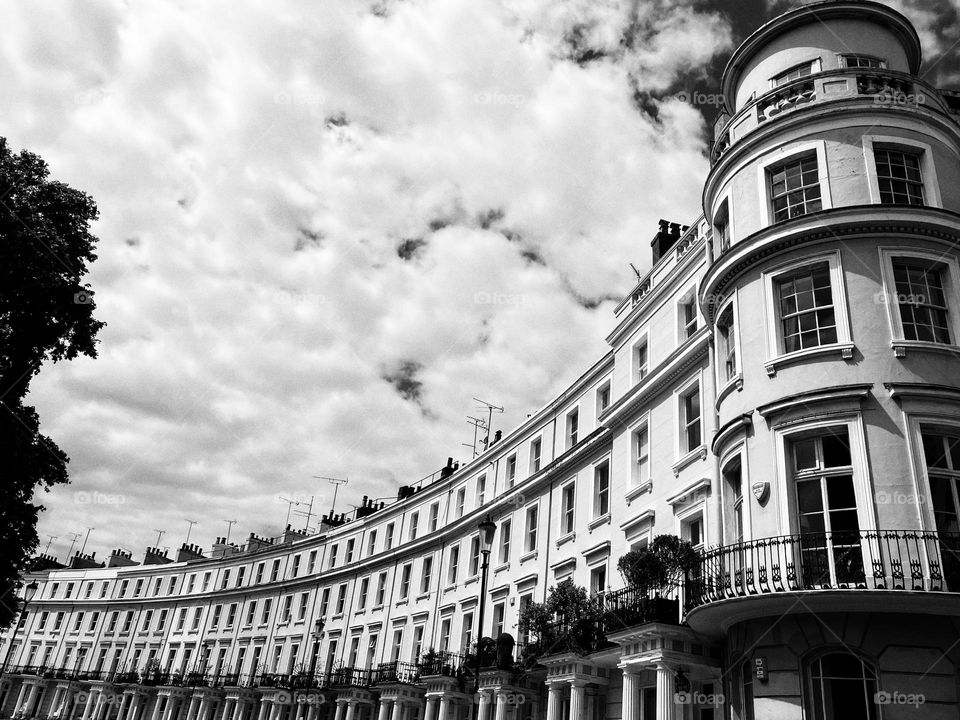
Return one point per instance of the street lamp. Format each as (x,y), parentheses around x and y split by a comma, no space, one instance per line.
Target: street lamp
(28,592)
(487,528)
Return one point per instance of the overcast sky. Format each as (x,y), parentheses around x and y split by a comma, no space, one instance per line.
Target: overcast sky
(326,226)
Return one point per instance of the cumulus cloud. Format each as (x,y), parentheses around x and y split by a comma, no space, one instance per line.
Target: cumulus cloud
(325,228)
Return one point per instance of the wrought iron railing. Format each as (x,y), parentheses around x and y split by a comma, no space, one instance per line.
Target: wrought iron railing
(860,560)
(449,664)
(396,671)
(632,606)
(349,677)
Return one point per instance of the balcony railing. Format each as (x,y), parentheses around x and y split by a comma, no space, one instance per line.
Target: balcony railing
(349,677)
(396,671)
(632,606)
(882,87)
(862,560)
(449,664)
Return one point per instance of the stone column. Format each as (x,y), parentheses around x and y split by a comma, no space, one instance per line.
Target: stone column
(483,707)
(122,707)
(577,698)
(553,701)
(430,709)
(501,709)
(631,698)
(225,714)
(170,707)
(22,694)
(351,709)
(156,708)
(264,708)
(397,710)
(135,703)
(238,708)
(664,692)
(445,714)
(32,699)
(275,710)
(384,710)
(312,709)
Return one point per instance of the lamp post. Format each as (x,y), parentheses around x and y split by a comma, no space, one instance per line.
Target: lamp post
(28,592)
(317,634)
(487,528)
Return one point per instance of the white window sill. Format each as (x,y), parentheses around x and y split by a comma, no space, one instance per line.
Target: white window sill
(634,493)
(597,522)
(502,567)
(901,347)
(471,579)
(698,453)
(844,350)
(402,601)
(532,555)
(450,588)
(563,539)
(423,596)
(734,383)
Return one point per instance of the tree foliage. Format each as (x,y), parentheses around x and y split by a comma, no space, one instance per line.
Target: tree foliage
(46,313)
(567,621)
(660,566)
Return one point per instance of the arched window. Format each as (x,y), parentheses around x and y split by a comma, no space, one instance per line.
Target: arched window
(843,687)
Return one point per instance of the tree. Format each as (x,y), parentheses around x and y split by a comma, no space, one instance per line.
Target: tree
(46,313)
(568,621)
(660,566)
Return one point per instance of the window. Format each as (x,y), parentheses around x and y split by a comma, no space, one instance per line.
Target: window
(372,543)
(795,188)
(251,612)
(524,628)
(603,399)
(405,581)
(425,574)
(195,624)
(568,503)
(275,571)
(641,456)
(843,687)
(362,596)
(732,474)
(805,308)
(259,578)
(294,570)
(506,527)
(899,179)
(573,427)
(123,588)
(721,227)
(206,582)
(215,619)
(414,524)
(103,588)
(466,636)
(454,565)
(474,556)
(511,470)
(311,562)
(397,644)
(302,608)
(42,623)
(690,419)
(727,345)
(78,622)
(481,489)
(265,614)
(921,299)
(797,71)
(861,61)
(341,598)
(381,588)
(598,580)
(640,360)
(191,581)
(691,530)
(601,490)
(461,500)
(138,588)
(285,609)
(687,316)
(826,507)
(324,602)
(434,516)
(351,543)
(417,644)
(499,612)
(445,635)
(531,532)
(388,540)
(941,450)
(161,621)
(334,549)
(536,449)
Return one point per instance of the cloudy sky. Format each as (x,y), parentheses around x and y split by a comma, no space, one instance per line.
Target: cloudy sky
(326,226)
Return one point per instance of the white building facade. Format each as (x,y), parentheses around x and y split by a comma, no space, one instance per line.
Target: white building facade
(781,390)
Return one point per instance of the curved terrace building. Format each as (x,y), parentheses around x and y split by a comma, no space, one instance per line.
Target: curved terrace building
(781,390)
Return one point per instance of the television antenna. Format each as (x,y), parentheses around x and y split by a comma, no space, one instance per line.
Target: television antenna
(336,482)
(490,408)
(290,503)
(190,524)
(160,534)
(478,425)
(308,514)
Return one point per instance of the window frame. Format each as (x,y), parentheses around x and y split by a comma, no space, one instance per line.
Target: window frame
(725,383)
(722,218)
(571,427)
(601,496)
(640,371)
(928,169)
(791,154)
(568,507)
(686,329)
(639,484)
(815,64)
(890,297)
(844,344)
(680,394)
(536,458)
(843,58)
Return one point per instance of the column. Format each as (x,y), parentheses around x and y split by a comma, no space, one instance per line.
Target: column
(430,709)
(351,709)
(238,706)
(397,710)
(32,699)
(553,701)
(134,707)
(631,699)
(264,707)
(202,708)
(156,708)
(275,710)
(225,714)
(312,709)
(445,708)
(501,710)
(20,696)
(664,692)
(577,697)
(122,706)
(341,708)
(169,707)
(384,710)
(483,707)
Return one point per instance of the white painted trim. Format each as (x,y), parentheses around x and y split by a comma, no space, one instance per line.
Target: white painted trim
(928,170)
(784,154)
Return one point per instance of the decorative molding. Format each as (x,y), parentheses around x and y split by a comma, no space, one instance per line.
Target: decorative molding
(597,522)
(923,391)
(596,550)
(560,564)
(850,394)
(702,483)
(698,453)
(741,423)
(639,490)
(647,516)
(845,350)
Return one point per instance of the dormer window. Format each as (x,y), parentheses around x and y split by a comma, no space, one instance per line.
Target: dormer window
(862,61)
(797,71)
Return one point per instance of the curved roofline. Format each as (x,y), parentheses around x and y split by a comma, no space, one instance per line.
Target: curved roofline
(819,11)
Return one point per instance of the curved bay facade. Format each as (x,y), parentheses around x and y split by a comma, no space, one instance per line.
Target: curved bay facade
(780,390)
